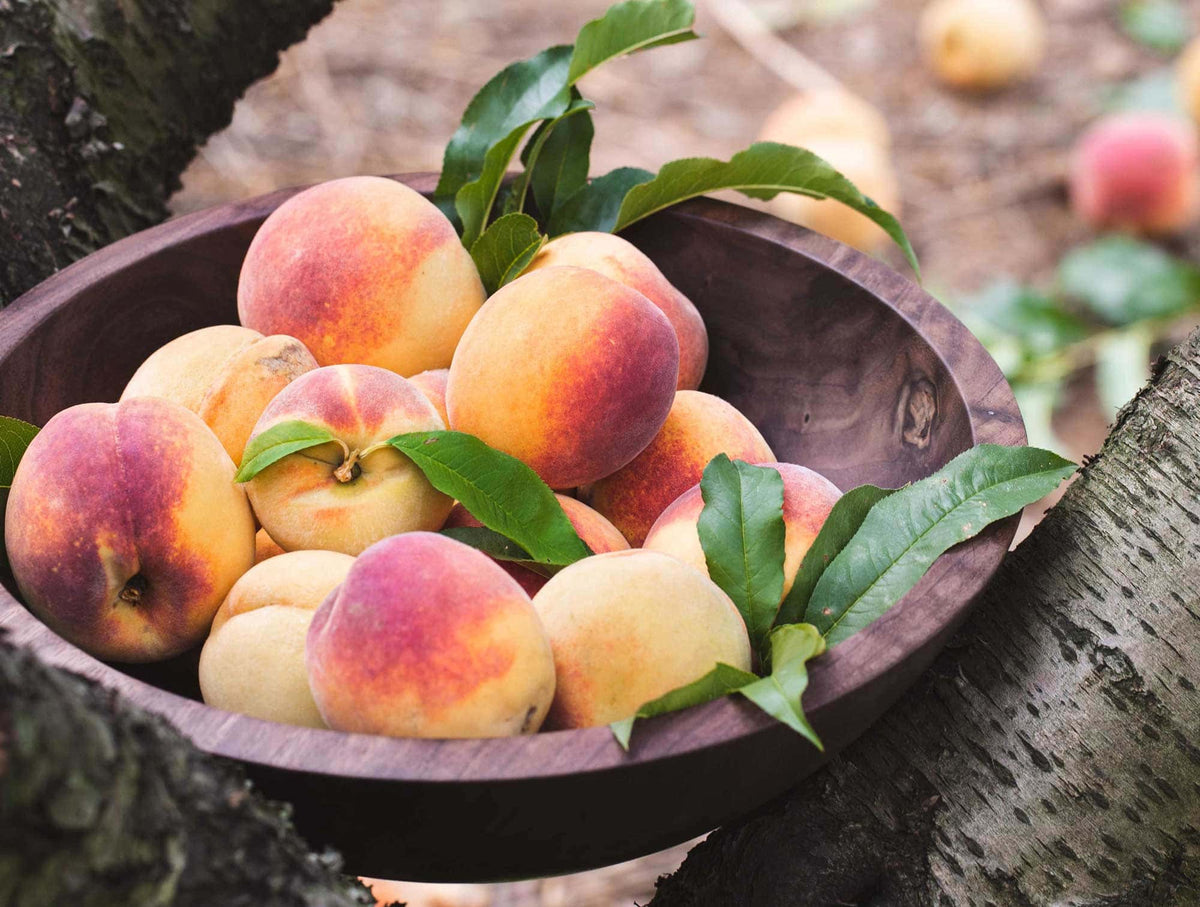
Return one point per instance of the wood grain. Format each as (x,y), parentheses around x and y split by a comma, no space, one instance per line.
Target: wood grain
(846,367)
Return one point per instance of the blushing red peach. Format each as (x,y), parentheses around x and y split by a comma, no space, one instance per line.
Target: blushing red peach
(625,263)
(629,626)
(429,638)
(567,370)
(699,427)
(807,499)
(597,533)
(362,270)
(125,530)
(351,492)
(225,374)
(433,385)
(1136,171)
(253,660)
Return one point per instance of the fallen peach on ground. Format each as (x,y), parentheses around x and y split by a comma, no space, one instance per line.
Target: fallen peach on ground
(830,113)
(629,626)
(225,374)
(597,533)
(429,638)
(699,427)
(347,494)
(982,44)
(362,270)
(625,263)
(253,660)
(567,370)
(124,528)
(807,499)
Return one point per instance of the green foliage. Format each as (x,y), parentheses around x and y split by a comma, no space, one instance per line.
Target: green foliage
(505,249)
(15,438)
(496,546)
(1121,280)
(277,442)
(1159,24)
(498,490)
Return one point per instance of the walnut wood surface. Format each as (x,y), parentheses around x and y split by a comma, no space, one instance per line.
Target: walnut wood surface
(844,365)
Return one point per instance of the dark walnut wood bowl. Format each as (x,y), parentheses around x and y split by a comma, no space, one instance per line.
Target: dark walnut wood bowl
(844,365)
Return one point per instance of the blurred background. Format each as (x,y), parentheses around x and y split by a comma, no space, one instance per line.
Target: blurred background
(1042,158)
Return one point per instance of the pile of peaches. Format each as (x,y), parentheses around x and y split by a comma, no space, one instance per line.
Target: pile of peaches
(321,588)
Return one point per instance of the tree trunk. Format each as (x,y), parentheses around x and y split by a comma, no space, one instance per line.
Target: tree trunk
(1052,754)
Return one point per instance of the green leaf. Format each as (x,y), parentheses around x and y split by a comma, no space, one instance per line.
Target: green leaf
(496,546)
(277,442)
(1124,280)
(720,681)
(498,490)
(761,171)
(1122,366)
(1159,24)
(837,530)
(15,438)
(742,533)
(505,249)
(779,694)
(560,164)
(595,205)
(532,155)
(906,532)
(629,27)
(1042,325)
(499,114)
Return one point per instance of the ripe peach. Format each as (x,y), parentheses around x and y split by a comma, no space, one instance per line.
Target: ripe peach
(807,499)
(265,547)
(253,660)
(699,427)
(567,370)
(1136,171)
(1188,79)
(433,385)
(429,638)
(627,627)
(831,113)
(362,270)
(356,490)
(225,374)
(124,528)
(621,260)
(598,533)
(865,164)
(982,44)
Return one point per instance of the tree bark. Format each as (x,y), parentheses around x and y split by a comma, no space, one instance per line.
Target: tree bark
(103,104)
(1052,754)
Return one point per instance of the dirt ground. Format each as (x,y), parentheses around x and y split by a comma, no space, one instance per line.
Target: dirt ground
(380,86)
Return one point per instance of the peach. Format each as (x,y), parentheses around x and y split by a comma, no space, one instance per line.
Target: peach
(363,270)
(429,638)
(627,627)
(1188,79)
(807,499)
(567,370)
(351,492)
(253,660)
(265,547)
(982,44)
(597,533)
(433,385)
(869,167)
(1136,171)
(830,113)
(225,374)
(699,427)
(124,528)
(621,260)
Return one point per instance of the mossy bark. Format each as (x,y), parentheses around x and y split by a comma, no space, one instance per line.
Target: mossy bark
(1052,755)
(104,102)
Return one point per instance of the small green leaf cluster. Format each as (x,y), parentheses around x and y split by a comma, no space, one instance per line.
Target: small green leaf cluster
(1161,25)
(15,438)
(873,548)
(537,101)
(1111,301)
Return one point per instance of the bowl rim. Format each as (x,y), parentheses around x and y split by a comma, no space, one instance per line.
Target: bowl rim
(949,588)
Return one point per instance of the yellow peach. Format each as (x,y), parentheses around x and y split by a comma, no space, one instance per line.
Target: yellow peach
(830,113)
(433,385)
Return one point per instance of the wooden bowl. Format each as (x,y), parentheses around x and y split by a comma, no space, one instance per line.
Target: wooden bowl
(844,365)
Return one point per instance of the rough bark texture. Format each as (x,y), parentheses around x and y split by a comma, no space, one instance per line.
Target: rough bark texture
(1052,755)
(102,804)
(102,105)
